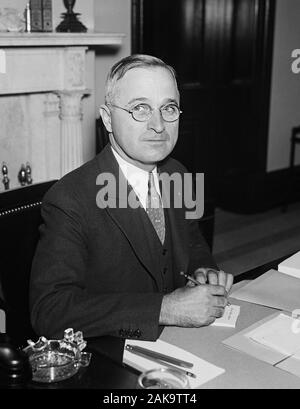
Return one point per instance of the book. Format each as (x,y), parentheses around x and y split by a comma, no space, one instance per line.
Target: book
(291,265)
(36,15)
(47,15)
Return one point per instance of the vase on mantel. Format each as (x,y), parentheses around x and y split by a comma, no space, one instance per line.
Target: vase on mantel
(70,23)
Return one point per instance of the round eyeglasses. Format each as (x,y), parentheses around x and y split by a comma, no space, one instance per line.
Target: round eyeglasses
(143,112)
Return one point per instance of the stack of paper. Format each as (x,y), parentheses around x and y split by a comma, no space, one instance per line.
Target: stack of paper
(204,371)
(281,333)
(291,265)
(273,289)
(229,318)
(275,340)
(291,364)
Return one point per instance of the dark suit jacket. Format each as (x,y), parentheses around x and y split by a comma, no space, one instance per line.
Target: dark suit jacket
(95,270)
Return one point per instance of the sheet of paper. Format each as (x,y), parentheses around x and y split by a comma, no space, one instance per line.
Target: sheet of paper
(242,343)
(280,333)
(2,62)
(204,371)
(229,318)
(291,364)
(291,265)
(272,289)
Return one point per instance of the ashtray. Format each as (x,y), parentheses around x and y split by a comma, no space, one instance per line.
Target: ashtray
(56,360)
(163,378)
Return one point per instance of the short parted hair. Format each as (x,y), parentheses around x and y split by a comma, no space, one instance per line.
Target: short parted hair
(132,61)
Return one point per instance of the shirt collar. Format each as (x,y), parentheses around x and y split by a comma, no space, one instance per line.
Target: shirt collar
(137,177)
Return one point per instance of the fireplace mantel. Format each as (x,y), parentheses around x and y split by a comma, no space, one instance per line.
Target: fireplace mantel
(43,62)
(60,39)
(43,79)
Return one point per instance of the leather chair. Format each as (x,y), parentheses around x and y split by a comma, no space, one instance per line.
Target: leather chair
(20,219)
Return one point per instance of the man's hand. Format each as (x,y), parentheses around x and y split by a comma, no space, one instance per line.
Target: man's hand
(193,306)
(214,277)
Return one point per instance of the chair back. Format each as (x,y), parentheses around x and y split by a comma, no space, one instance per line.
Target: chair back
(20,219)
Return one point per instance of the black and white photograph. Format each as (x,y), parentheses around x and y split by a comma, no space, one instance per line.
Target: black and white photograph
(149,199)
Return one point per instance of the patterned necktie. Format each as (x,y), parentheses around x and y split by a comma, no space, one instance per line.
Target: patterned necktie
(155,210)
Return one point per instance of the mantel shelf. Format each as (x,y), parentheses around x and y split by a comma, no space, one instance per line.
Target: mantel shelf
(60,39)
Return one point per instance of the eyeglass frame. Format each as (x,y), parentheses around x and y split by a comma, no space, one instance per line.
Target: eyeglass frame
(130,111)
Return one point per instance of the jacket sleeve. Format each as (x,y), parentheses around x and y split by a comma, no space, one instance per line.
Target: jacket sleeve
(58,295)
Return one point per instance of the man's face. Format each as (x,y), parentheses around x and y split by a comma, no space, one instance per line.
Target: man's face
(144,143)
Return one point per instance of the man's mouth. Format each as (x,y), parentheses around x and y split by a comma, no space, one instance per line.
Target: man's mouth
(156,140)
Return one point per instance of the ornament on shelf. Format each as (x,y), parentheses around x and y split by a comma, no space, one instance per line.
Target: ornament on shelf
(11,20)
(70,23)
(27,17)
(28,174)
(22,175)
(5,179)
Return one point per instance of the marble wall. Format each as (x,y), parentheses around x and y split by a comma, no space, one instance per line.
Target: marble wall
(30,132)
(30,125)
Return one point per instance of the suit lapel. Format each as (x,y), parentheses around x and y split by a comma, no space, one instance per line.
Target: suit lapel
(137,227)
(132,221)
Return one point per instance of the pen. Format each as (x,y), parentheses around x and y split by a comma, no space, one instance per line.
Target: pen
(157,355)
(159,361)
(187,373)
(188,277)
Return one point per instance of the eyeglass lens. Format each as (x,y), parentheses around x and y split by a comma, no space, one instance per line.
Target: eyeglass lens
(169,113)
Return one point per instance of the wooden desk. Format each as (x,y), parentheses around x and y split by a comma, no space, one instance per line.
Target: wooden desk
(241,370)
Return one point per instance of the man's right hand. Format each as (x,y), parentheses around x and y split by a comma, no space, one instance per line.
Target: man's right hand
(193,306)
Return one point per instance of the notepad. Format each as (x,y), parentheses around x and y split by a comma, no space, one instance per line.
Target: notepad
(281,333)
(204,371)
(229,318)
(291,265)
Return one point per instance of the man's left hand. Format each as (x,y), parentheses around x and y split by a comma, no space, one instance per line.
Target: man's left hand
(214,277)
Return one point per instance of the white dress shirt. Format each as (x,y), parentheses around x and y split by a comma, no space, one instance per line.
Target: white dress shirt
(137,178)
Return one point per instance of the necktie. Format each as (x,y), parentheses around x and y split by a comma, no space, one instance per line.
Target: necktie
(154,209)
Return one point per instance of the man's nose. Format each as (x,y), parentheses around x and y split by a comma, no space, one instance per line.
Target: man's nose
(156,122)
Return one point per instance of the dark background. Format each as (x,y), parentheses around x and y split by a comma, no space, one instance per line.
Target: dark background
(222,52)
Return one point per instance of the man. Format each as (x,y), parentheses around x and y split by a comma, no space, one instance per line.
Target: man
(115,270)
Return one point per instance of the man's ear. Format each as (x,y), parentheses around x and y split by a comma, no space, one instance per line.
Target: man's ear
(106,117)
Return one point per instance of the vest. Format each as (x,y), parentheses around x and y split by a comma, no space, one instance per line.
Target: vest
(163,253)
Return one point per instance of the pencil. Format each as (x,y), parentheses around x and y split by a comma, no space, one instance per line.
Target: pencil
(188,277)
(158,355)
(152,356)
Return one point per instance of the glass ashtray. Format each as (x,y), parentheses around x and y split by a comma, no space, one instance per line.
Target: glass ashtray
(56,360)
(163,378)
